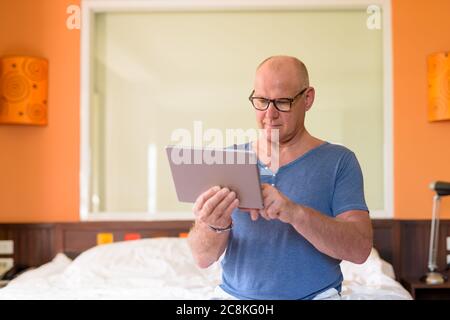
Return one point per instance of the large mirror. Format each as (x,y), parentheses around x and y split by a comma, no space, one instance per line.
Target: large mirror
(156,72)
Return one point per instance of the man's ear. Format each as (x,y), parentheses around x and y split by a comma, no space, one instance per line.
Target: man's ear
(310,95)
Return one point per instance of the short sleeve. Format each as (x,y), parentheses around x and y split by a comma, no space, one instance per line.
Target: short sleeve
(349,186)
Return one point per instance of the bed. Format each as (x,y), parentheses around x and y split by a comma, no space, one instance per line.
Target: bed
(163,268)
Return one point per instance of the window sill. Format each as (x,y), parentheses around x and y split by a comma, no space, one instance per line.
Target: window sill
(138,216)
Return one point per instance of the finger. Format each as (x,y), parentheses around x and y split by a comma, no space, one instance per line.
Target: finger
(268,190)
(263,214)
(198,205)
(223,205)
(254,215)
(211,203)
(267,202)
(229,210)
(225,219)
(272,211)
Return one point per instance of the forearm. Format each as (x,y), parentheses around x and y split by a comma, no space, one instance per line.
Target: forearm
(344,240)
(206,245)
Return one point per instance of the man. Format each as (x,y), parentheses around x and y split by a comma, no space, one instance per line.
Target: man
(314,212)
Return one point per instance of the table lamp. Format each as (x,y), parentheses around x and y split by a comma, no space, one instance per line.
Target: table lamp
(433,276)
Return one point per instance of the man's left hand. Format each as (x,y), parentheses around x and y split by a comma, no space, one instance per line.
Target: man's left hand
(276,205)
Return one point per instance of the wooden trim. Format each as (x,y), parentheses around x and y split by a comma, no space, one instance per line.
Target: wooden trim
(396,248)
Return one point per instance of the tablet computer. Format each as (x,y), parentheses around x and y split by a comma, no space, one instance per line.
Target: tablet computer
(195,170)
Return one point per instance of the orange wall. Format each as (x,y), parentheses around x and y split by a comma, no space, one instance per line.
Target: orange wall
(422,149)
(39,165)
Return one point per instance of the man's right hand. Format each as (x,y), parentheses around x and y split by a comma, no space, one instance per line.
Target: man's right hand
(215,206)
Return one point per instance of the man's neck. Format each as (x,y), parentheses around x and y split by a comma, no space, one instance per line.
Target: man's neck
(276,155)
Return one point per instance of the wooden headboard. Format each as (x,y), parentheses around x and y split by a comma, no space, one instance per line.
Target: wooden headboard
(74,238)
(403,243)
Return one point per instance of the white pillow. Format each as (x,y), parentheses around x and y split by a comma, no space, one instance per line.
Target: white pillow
(59,263)
(368,272)
(143,262)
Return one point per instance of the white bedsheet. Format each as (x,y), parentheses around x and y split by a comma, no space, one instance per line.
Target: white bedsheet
(163,268)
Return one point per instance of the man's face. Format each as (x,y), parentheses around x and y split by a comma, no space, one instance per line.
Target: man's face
(275,83)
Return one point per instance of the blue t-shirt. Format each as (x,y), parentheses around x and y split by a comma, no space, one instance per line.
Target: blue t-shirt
(270,259)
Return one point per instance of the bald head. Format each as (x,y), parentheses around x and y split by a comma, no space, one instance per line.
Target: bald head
(287,66)
(280,64)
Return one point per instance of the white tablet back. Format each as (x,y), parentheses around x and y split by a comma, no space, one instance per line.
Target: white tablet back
(195,170)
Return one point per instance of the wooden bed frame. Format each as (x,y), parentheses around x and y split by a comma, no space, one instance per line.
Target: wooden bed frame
(403,243)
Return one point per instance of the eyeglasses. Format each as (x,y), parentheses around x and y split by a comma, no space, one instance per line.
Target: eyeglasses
(281,104)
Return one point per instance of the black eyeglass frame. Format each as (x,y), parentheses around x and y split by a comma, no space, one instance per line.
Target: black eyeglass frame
(274,101)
